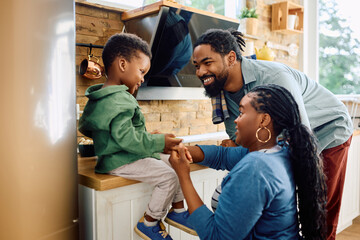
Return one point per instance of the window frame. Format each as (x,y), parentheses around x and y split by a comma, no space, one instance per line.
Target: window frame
(309,56)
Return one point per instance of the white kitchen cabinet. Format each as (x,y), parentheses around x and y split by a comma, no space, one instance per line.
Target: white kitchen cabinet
(350,200)
(112,214)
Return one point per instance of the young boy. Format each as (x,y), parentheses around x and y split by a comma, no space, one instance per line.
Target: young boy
(112,118)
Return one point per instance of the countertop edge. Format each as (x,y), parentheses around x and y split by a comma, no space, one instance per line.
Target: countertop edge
(101,182)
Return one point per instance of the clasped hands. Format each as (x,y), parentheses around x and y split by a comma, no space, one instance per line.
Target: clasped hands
(180,157)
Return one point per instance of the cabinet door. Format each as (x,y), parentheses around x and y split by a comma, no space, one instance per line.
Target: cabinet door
(205,182)
(350,199)
(117,211)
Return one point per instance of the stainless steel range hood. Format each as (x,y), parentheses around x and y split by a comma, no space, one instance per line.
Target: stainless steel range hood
(171,30)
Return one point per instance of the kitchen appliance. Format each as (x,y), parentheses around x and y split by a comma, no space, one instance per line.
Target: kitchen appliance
(171,30)
(38,174)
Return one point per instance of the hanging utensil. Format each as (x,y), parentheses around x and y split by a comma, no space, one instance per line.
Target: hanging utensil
(91,69)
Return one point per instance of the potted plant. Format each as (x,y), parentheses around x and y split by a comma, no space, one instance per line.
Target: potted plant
(248,21)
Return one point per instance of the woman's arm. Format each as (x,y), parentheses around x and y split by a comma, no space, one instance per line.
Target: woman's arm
(215,156)
(224,158)
(179,161)
(242,200)
(196,153)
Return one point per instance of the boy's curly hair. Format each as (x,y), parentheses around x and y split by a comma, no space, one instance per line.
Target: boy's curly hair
(124,45)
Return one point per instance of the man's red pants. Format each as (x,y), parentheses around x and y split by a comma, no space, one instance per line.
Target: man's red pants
(335,160)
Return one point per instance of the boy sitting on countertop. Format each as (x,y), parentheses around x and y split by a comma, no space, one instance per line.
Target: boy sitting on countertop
(112,117)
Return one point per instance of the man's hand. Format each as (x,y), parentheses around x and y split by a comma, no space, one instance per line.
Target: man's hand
(228,143)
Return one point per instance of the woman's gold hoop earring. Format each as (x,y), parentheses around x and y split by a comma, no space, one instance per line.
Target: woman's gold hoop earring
(257,135)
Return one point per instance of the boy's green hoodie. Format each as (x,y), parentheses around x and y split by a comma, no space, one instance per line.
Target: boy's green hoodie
(112,118)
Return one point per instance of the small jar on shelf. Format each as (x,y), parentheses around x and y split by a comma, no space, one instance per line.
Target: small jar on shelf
(287,17)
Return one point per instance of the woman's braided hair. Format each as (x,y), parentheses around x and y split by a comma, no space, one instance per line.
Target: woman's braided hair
(306,162)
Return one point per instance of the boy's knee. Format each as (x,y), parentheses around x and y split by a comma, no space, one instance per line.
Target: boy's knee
(171,177)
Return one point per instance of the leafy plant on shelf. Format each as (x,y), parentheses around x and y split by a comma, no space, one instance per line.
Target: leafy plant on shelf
(248,13)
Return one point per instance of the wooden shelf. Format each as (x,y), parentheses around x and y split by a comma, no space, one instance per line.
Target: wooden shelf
(155,7)
(247,36)
(280,13)
(288,31)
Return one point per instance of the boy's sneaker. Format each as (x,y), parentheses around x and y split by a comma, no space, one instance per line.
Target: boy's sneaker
(179,220)
(157,232)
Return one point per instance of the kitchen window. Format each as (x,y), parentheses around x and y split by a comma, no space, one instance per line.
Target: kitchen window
(339,46)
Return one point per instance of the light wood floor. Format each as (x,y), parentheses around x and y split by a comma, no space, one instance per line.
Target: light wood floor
(352,232)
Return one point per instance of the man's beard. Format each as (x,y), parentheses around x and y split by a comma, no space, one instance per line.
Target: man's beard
(215,88)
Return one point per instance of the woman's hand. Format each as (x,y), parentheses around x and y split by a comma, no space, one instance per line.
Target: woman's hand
(180,159)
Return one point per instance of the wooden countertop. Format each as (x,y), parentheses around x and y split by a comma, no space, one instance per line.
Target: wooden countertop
(101,182)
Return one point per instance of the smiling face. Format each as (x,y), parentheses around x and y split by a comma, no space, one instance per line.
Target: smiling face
(133,72)
(247,123)
(211,69)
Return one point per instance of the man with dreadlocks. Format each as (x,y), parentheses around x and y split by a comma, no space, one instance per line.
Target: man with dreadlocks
(227,77)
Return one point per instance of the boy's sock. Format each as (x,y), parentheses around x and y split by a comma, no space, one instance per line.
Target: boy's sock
(179,210)
(150,224)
